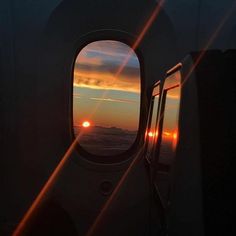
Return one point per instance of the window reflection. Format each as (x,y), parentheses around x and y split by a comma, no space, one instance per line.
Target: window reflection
(170,119)
(152,132)
(106,95)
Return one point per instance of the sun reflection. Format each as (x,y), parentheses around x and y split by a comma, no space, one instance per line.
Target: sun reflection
(170,135)
(175,140)
(175,135)
(166,134)
(151,134)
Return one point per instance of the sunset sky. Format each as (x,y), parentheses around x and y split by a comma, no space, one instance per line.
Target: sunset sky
(99,95)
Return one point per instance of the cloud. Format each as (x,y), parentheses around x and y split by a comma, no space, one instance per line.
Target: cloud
(98,63)
(106,49)
(114,100)
(109,67)
(106,81)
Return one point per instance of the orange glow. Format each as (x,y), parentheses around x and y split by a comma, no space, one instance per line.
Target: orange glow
(167,134)
(86,124)
(175,140)
(175,135)
(106,80)
(170,135)
(150,134)
(156,134)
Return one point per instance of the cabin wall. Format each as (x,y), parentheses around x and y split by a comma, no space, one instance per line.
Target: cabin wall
(196,21)
(21,26)
(34,108)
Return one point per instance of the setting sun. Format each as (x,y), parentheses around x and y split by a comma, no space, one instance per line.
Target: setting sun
(86,124)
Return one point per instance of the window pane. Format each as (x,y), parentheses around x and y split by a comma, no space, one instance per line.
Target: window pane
(152,131)
(106,95)
(170,122)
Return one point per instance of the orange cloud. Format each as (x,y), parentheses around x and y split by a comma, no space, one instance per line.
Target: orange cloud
(101,80)
(82,59)
(114,100)
(97,65)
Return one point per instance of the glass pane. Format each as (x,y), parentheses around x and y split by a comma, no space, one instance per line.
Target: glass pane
(170,122)
(152,131)
(106,97)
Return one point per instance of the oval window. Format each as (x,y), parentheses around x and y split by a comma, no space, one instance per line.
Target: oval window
(106,97)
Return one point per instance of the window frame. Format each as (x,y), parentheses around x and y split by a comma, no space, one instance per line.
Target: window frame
(123,37)
(164,92)
(149,155)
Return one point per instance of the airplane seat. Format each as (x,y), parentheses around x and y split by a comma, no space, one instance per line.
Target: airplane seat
(197,200)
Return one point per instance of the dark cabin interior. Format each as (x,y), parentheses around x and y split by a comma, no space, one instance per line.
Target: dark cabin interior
(55,184)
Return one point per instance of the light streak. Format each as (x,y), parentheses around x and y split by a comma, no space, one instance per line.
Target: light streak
(209,42)
(123,178)
(140,37)
(40,197)
(110,200)
(137,42)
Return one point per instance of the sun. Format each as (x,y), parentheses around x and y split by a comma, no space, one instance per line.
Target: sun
(86,124)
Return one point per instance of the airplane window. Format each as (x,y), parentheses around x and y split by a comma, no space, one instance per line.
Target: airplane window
(170,120)
(152,132)
(106,97)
